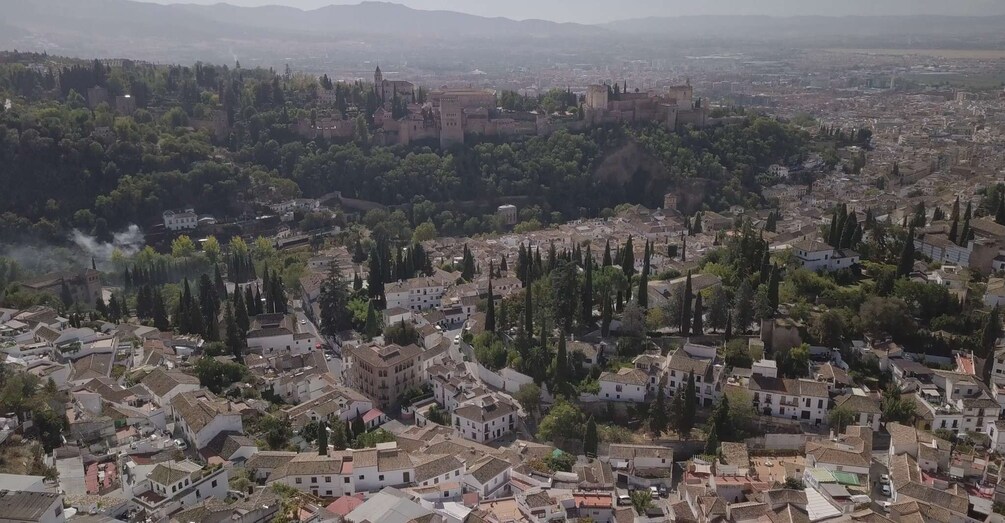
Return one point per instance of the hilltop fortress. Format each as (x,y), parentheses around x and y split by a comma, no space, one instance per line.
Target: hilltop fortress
(450,115)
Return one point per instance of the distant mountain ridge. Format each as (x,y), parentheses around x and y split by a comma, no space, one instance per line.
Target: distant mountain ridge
(769,27)
(350,34)
(226,20)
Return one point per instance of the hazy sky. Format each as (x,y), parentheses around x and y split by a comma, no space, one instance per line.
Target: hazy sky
(596,11)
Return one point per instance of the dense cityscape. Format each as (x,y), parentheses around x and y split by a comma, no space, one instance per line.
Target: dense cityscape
(737,281)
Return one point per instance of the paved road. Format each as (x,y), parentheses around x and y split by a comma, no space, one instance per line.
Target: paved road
(334,361)
(880,458)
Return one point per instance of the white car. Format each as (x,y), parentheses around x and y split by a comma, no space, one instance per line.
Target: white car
(303,322)
(457,339)
(886,490)
(884,479)
(180,443)
(655,491)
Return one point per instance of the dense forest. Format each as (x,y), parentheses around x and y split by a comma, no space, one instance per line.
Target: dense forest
(67,166)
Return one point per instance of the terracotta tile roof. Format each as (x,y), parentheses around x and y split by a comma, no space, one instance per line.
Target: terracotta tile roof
(626,376)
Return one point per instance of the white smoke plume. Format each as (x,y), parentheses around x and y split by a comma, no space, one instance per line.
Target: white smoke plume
(128,242)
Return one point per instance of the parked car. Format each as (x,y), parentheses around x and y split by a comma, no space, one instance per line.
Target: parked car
(180,443)
(664,493)
(884,479)
(655,491)
(886,490)
(624,499)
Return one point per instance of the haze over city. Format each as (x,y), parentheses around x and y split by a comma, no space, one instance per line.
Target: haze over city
(601,11)
(502,261)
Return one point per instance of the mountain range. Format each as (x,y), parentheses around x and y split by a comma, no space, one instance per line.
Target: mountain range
(187,32)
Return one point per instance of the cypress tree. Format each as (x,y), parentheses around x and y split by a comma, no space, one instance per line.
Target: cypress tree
(1000,211)
(966,233)
(712,441)
(728,331)
(628,259)
(528,311)
(100,306)
(643,297)
(235,342)
(954,230)
(605,316)
(687,418)
(241,311)
(249,301)
(833,232)
(221,287)
(607,262)
(270,305)
(765,266)
(490,312)
(989,337)
(561,377)
(699,321)
(114,308)
(375,280)
(372,329)
(502,264)
(906,263)
(159,313)
(322,439)
(773,283)
(586,315)
(850,226)
(658,419)
(590,439)
(685,316)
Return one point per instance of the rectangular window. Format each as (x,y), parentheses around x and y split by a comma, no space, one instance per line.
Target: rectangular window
(299,481)
(213,484)
(380,477)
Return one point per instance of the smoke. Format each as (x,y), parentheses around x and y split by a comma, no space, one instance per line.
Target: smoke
(40,257)
(128,242)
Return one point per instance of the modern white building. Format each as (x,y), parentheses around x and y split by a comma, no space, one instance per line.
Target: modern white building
(625,385)
(485,419)
(802,400)
(818,256)
(180,220)
(415,294)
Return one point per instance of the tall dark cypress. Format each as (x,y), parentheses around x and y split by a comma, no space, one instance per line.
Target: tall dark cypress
(375,283)
(906,262)
(221,287)
(698,327)
(685,316)
(586,316)
(528,311)
(490,312)
(607,262)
